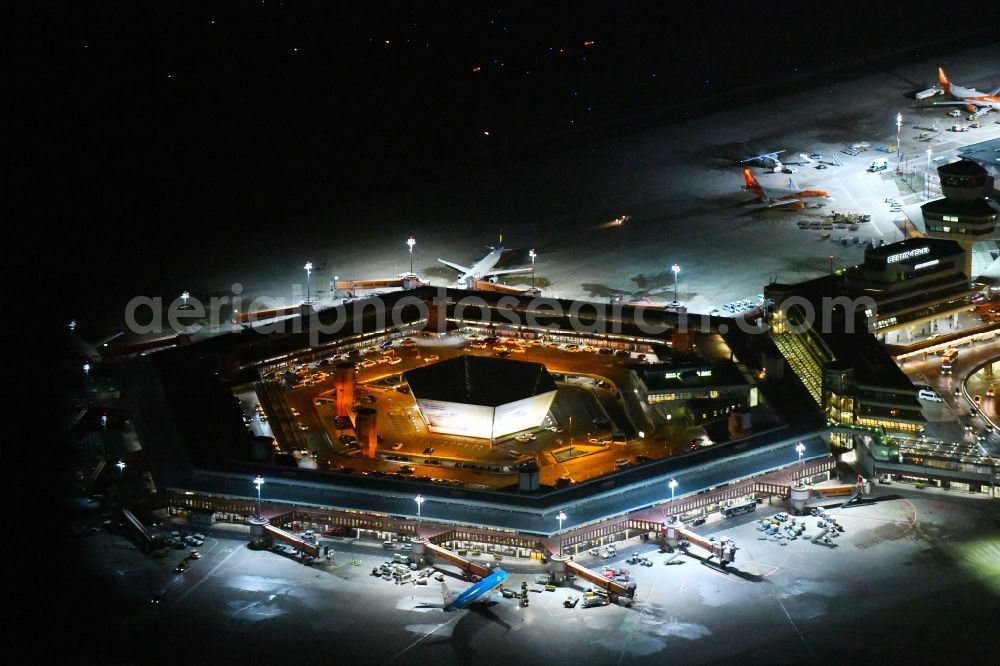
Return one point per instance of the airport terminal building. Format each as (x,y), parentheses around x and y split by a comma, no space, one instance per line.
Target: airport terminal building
(203,462)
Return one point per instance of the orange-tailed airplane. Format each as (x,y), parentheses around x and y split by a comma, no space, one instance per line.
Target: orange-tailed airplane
(975,102)
(782,196)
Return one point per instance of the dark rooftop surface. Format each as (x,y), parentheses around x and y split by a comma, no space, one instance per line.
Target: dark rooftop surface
(635,488)
(479,380)
(665,376)
(938,247)
(963,167)
(951,206)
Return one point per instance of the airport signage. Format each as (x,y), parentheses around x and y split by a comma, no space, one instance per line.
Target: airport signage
(926,264)
(909,254)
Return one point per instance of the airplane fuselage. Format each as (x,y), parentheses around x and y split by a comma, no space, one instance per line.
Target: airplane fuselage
(974,98)
(481,267)
(483,587)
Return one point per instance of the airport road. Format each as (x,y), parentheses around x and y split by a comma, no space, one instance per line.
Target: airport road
(927,560)
(947,419)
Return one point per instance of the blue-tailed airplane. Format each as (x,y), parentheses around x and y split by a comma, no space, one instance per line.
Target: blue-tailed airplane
(471,595)
(483,269)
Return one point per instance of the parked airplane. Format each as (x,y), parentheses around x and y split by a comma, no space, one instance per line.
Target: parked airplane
(483,268)
(767,160)
(471,595)
(974,101)
(780,196)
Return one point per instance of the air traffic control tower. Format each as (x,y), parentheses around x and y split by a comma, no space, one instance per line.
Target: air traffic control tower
(966,214)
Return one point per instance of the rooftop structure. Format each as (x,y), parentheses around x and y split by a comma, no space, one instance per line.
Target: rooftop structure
(482,397)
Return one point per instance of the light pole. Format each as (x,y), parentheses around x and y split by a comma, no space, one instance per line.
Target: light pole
(309,268)
(121,469)
(676,269)
(410,242)
(800,448)
(532,254)
(72,325)
(259,481)
(831,264)
(185,295)
(86,369)
(560,517)
(899,153)
(672,485)
(571,431)
(419,499)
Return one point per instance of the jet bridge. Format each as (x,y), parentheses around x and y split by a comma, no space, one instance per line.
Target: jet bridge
(433,552)
(677,536)
(593,577)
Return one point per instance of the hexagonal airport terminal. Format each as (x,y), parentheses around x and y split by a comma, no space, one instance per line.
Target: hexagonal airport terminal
(474,396)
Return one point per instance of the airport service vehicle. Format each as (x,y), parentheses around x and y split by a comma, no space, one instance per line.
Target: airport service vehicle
(928,395)
(746,506)
(790,197)
(591,602)
(880,164)
(947,359)
(484,268)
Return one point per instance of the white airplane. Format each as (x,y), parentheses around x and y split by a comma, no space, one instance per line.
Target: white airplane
(483,268)
(975,102)
(767,160)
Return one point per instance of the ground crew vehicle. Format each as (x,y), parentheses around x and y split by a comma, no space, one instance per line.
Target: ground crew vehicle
(880,164)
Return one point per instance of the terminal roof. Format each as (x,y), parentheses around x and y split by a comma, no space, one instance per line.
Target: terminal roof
(480,380)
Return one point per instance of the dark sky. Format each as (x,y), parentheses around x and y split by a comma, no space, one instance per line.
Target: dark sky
(187,119)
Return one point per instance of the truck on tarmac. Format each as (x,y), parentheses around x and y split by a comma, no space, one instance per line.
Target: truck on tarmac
(880,164)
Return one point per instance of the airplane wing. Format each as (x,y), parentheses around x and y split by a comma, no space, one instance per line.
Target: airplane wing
(763,156)
(784,202)
(509,270)
(104,341)
(458,267)
(996,91)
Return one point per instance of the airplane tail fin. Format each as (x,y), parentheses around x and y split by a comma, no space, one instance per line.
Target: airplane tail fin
(943,80)
(751,183)
(447,594)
